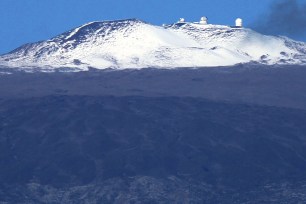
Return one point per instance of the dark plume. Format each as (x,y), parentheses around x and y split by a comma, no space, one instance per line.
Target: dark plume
(286,17)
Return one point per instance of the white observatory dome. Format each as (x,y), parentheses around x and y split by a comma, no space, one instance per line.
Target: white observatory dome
(239,22)
(182,20)
(204,20)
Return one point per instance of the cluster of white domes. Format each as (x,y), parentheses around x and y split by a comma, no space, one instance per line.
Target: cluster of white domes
(204,21)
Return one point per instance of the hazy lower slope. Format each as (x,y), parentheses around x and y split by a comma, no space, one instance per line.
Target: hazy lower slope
(107,149)
(283,86)
(135,44)
(219,135)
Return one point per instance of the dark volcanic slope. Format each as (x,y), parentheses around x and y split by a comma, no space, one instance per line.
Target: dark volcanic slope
(274,86)
(225,135)
(78,149)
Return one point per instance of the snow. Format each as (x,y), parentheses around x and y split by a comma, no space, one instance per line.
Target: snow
(73,32)
(135,44)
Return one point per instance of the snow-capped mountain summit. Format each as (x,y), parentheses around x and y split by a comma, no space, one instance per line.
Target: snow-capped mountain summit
(133,43)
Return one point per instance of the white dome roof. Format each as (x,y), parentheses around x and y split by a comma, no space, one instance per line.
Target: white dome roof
(239,22)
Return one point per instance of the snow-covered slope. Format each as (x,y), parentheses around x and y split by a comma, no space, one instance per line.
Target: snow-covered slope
(135,44)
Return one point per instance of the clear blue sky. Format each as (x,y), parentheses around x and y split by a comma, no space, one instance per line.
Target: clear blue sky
(23,21)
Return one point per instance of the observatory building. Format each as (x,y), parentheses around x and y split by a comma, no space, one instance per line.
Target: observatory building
(239,22)
(204,20)
(182,20)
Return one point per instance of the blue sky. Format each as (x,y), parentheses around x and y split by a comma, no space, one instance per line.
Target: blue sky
(25,21)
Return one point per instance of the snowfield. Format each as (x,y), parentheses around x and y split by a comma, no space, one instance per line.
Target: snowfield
(135,44)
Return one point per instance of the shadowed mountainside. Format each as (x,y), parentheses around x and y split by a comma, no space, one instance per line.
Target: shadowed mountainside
(65,144)
(283,86)
(224,135)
